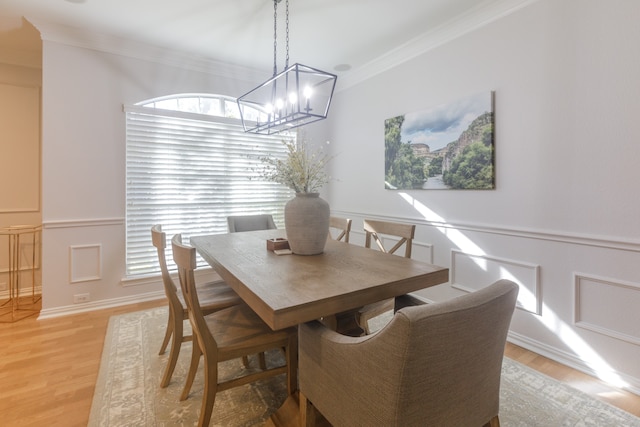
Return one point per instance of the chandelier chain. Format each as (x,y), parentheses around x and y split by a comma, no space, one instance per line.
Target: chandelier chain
(286,63)
(275,37)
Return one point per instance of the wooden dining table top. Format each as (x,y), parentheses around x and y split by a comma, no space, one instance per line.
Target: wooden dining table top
(286,290)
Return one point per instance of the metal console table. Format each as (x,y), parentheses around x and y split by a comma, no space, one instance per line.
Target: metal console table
(19,298)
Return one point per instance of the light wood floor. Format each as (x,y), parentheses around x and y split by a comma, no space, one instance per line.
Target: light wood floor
(48,369)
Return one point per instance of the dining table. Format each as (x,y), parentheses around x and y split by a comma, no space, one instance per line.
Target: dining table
(287,289)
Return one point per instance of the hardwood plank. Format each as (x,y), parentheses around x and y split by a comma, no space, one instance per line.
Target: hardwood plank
(48,369)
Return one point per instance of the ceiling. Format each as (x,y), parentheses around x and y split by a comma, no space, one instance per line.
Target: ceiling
(333,35)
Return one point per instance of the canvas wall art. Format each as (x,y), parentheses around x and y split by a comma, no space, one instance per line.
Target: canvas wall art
(450,146)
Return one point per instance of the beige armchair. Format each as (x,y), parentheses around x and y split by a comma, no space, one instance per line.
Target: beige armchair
(432,365)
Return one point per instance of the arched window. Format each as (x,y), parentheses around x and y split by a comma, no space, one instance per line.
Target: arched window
(189,166)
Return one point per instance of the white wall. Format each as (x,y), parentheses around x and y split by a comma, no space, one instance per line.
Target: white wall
(84,167)
(563,219)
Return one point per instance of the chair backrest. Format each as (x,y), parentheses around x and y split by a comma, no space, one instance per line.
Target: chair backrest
(373,229)
(238,223)
(441,364)
(185,258)
(159,240)
(343,227)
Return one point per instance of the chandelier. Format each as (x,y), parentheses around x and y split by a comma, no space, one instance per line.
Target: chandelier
(297,96)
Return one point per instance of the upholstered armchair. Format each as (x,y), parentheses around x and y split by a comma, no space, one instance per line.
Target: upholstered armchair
(433,365)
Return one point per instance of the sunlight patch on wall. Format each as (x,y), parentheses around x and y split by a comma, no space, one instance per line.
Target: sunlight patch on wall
(526,297)
(460,240)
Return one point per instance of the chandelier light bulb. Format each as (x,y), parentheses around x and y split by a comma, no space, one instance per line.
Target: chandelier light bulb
(293,98)
(279,104)
(307,92)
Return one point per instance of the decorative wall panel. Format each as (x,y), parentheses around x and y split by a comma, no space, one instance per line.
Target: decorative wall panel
(623,322)
(20,148)
(471,272)
(85,263)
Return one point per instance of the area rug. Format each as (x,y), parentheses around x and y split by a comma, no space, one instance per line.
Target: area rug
(127,392)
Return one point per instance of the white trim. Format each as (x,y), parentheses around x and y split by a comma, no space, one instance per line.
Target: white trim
(568,359)
(478,17)
(548,235)
(70,36)
(475,18)
(19,210)
(152,111)
(98,305)
(4,293)
(89,222)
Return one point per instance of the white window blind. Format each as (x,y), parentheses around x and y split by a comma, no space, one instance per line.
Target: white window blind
(189,172)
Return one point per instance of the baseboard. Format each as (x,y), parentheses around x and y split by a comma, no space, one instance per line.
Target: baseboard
(630,384)
(98,305)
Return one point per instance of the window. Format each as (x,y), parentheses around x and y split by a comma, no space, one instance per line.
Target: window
(189,166)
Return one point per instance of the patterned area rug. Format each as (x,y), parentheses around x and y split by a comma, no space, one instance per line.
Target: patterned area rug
(128,394)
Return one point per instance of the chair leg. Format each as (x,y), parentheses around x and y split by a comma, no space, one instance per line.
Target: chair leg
(176,343)
(210,389)
(307,412)
(291,356)
(167,334)
(493,422)
(363,322)
(193,368)
(262,361)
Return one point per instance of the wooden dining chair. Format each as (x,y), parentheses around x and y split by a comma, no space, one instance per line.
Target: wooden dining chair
(342,227)
(375,232)
(213,296)
(238,223)
(228,334)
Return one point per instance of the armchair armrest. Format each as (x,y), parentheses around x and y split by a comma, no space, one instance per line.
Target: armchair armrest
(335,369)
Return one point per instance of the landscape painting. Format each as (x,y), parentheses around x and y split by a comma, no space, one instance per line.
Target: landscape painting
(450,146)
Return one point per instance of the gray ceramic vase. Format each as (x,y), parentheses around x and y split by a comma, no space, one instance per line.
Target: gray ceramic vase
(306,221)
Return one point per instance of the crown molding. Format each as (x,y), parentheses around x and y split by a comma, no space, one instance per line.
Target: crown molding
(21,58)
(138,50)
(471,20)
(485,13)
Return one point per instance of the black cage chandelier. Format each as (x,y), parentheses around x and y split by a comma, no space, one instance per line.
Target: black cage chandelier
(295,97)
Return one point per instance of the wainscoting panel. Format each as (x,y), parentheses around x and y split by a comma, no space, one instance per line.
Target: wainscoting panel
(20,148)
(622,323)
(473,272)
(85,263)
